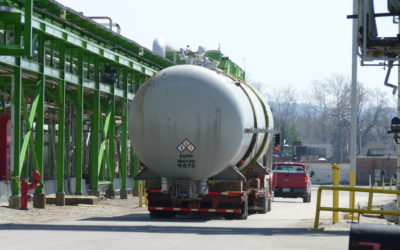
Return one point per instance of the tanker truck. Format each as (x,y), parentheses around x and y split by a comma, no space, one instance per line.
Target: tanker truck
(205,142)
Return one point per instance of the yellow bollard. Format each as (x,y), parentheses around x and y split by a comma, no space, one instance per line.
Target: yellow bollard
(140,193)
(335,183)
(383,182)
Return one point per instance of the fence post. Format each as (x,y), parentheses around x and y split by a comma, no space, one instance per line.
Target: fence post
(317,210)
(335,183)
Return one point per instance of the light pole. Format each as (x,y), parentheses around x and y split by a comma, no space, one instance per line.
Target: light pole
(353,128)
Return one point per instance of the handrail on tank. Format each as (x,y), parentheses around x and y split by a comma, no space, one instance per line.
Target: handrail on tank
(369,209)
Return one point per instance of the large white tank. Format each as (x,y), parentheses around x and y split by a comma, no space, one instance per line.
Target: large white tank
(189,122)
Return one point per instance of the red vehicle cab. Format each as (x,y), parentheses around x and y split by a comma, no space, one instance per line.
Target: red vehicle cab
(292,180)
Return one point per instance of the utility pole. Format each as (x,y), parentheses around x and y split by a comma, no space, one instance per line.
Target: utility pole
(353,128)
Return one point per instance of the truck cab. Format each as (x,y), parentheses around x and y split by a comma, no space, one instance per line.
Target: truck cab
(292,180)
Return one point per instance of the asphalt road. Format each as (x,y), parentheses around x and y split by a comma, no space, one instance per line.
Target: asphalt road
(287,226)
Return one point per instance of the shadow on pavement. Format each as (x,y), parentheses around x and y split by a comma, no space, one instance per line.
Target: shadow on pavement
(171,229)
(146,217)
(287,201)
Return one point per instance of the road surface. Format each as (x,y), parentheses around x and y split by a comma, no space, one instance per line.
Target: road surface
(287,226)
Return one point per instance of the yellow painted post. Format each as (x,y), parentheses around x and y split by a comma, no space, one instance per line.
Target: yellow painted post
(335,183)
(383,182)
(370,198)
(318,211)
(140,193)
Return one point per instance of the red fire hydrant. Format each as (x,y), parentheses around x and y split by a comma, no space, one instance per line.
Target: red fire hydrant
(25,187)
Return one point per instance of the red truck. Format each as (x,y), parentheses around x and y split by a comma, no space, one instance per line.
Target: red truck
(292,180)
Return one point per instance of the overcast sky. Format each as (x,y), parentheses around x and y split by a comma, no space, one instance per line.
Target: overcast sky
(279,43)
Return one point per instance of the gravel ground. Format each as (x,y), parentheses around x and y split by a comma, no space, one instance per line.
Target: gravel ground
(106,208)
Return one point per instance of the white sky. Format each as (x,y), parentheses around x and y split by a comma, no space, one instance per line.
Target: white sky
(279,43)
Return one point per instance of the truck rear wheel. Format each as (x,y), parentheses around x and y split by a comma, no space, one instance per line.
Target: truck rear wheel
(265,205)
(241,216)
(307,198)
(269,203)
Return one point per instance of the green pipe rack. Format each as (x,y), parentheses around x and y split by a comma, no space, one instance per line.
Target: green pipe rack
(67,79)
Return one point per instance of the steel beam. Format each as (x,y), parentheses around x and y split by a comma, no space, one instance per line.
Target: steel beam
(28,28)
(61,129)
(79,127)
(111,140)
(39,137)
(124,137)
(16,125)
(28,138)
(94,134)
(105,129)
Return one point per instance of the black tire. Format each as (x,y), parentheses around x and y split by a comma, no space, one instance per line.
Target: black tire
(265,205)
(243,215)
(307,198)
(269,203)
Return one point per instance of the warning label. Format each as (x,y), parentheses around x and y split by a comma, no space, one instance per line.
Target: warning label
(186,161)
(186,145)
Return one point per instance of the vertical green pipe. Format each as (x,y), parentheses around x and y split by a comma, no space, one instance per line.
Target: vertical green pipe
(95,124)
(28,28)
(40,114)
(124,132)
(16,133)
(111,145)
(61,123)
(79,127)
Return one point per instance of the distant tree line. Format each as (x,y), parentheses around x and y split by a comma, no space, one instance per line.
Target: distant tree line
(322,116)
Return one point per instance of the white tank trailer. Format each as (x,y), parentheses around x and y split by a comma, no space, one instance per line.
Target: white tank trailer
(199,134)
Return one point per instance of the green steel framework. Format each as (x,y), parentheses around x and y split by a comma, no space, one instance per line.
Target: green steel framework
(54,64)
(54,59)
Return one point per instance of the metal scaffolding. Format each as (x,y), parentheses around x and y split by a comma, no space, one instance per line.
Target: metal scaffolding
(65,82)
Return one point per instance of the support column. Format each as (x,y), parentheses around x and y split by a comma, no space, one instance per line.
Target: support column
(353,131)
(111,143)
(60,195)
(39,198)
(95,137)
(16,134)
(124,138)
(28,28)
(79,128)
